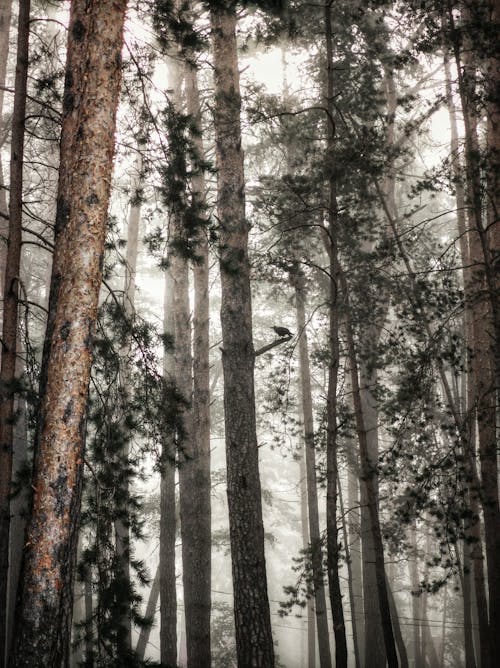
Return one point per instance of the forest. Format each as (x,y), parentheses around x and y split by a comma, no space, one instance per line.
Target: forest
(250,333)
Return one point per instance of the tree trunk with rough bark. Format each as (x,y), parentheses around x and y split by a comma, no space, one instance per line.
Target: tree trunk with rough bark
(316,547)
(333,370)
(473,546)
(251,605)
(484,309)
(92,87)
(9,382)
(168,592)
(200,649)
(492,104)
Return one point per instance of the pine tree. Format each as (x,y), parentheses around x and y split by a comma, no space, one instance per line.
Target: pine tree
(87,141)
(9,384)
(251,606)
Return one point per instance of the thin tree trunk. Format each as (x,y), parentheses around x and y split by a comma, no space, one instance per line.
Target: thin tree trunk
(416,599)
(251,606)
(154,595)
(121,526)
(443,628)
(367,477)
(474,530)
(18,505)
(374,637)
(467,60)
(168,593)
(92,87)
(316,546)
(78,615)
(398,636)
(354,525)
(8,380)
(345,537)
(194,554)
(200,473)
(492,103)
(304,523)
(89,645)
(483,308)
(333,370)
(470,659)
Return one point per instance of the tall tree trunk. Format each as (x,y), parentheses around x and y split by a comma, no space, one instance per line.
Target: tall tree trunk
(92,88)
(5,16)
(374,637)
(492,103)
(333,370)
(398,636)
(8,380)
(179,270)
(193,527)
(352,604)
(367,477)
(304,523)
(474,529)
(168,593)
(354,525)
(89,631)
(316,547)
(251,606)
(200,465)
(19,504)
(416,599)
(485,311)
(443,628)
(154,594)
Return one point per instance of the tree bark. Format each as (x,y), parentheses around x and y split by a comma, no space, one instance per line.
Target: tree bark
(367,478)
(374,637)
(304,523)
(398,636)
(251,606)
(350,582)
(416,599)
(484,308)
(92,87)
(168,592)
(8,380)
(333,370)
(354,525)
(474,529)
(154,595)
(200,650)
(492,104)
(315,546)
